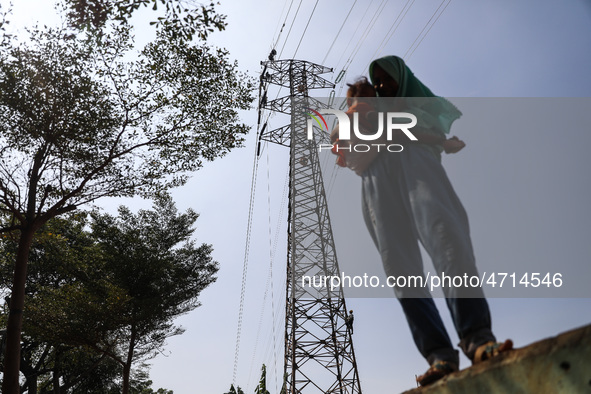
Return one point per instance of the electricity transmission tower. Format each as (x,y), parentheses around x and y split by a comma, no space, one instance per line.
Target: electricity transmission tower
(319,355)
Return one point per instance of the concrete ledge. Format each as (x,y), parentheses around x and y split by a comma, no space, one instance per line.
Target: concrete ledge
(555,365)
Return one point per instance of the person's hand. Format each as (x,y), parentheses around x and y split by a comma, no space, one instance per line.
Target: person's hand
(453,145)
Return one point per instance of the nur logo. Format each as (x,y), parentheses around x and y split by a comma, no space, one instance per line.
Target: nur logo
(392,120)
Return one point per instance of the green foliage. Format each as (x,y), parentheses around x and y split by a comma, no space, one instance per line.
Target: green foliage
(151,256)
(185,18)
(84,116)
(262,387)
(80,370)
(141,384)
(78,121)
(103,293)
(233,390)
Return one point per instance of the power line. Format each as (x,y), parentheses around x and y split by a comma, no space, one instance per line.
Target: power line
(245,264)
(424,27)
(438,16)
(369,27)
(354,33)
(339,32)
(363,37)
(392,30)
(305,29)
(271,258)
(290,27)
(283,25)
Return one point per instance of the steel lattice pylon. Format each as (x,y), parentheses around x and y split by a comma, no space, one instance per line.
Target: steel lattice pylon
(319,355)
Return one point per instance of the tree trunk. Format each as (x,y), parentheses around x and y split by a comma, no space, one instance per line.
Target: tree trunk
(30,377)
(127,365)
(126,373)
(10,384)
(32,384)
(56,372)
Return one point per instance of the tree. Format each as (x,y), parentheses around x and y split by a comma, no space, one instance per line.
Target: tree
(61,252)
(162,272)
(262,387)
(233,390)
(78,122)
(113,291)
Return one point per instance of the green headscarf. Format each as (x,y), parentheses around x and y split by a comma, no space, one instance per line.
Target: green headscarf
(434,114)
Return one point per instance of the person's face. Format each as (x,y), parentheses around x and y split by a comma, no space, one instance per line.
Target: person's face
(384,84)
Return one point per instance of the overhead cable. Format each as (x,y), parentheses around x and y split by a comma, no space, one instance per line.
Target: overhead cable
(425,35)
(338,33)
(290,27)
(305,29)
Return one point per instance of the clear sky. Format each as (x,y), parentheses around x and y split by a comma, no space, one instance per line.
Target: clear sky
(525,192)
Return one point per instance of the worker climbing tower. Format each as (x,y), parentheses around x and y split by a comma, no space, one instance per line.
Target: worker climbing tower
(319,355)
